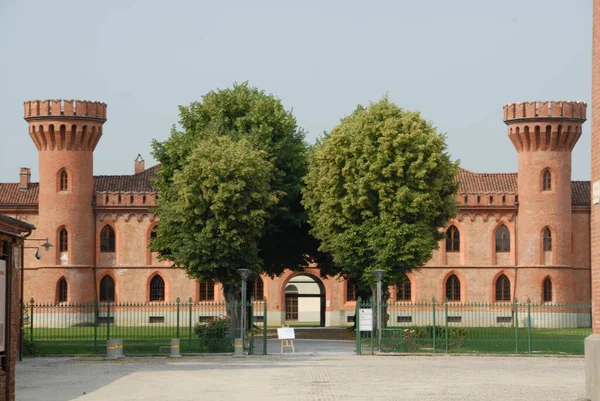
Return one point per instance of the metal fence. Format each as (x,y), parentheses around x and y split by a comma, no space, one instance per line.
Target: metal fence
(475,328)
(74,329)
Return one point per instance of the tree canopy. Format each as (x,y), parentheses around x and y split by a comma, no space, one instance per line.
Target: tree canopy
(213,226)
(259,122)
(380,186)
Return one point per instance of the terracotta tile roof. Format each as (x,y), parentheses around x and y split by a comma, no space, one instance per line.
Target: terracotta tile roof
(141,182)
(10,194)
(469,182)
(581,193)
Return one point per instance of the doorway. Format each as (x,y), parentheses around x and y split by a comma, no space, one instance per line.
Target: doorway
(304,301)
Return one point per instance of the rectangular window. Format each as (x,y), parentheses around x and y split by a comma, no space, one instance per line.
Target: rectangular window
(207,291)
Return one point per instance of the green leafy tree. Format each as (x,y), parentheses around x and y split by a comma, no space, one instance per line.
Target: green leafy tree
(213,224)
(238,113)
(380,186)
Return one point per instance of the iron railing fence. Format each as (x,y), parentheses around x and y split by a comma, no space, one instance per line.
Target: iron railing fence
(145,328)
(476,328)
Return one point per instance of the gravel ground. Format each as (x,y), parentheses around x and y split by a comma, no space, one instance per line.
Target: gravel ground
(320,370)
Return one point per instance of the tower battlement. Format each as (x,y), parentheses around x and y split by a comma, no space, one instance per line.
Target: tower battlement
(67,108)
(546,109)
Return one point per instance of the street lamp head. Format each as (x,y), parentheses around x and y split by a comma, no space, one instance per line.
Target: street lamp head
(379,274)
(38,254)
(47,246)
(244,273)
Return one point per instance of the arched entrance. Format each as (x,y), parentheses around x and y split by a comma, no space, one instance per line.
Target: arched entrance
(304,296)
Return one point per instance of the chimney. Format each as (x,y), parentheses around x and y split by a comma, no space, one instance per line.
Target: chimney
(24,178)
(139,164)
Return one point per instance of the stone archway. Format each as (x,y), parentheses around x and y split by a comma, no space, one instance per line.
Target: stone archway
(304,300)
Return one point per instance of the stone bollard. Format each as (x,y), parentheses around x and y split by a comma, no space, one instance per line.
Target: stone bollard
(175,352)
(114,349)
(239,347)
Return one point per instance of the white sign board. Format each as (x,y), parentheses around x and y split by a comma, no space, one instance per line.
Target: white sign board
(285,333)
(2,305)
(365,319)
(596,193)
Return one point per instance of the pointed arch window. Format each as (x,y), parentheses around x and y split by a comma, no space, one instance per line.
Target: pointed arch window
(547,239)
(452,239)
(107,239)
(502,288)
(403,291)
(258,290)
(547,290)
(453,288)
(62,290)
(63,240)
(107,289)
(546,180)
(63,181)
(502,239)
(157,288)
(207,291)
(351,294)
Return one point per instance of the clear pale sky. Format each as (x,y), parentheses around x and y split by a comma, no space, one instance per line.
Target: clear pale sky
(456,61)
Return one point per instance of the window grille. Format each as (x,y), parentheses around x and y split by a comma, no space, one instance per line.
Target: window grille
(62,290)
(503,288)
(107,289)
(502,239)
(403,291)
(107,239)
(157,288)
(453,288)
(452,239)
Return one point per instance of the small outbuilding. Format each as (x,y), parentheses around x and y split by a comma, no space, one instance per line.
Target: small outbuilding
(12,236)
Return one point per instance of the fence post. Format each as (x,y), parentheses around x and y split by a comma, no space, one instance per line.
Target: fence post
(264,326)
(108,321)
(251,327)
(434,328)
(357,326)
(516,308)
(178,302)
(529,326)
(446,310)
(95,324)
(190,326)
(373,332)
(31,301)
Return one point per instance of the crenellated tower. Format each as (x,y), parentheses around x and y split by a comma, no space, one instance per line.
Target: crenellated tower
(66,133)
(544,134)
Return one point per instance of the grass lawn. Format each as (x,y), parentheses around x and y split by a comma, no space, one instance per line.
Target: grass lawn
(493,340)
(143,340)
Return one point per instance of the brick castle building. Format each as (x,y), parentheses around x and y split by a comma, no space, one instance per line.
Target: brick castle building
(524,234)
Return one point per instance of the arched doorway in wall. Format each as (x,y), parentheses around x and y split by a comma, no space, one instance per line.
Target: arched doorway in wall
(304,301)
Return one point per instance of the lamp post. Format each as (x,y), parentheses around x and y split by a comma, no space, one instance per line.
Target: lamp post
(244,274)
(38,255)
(379,276)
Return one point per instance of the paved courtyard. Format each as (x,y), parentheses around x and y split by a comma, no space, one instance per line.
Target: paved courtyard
(319,371)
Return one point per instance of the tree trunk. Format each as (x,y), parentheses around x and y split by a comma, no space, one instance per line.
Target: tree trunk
(375,308)
(232,296)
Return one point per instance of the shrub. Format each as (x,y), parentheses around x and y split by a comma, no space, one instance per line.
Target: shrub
(215,328)
(214,335)
(454,333)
